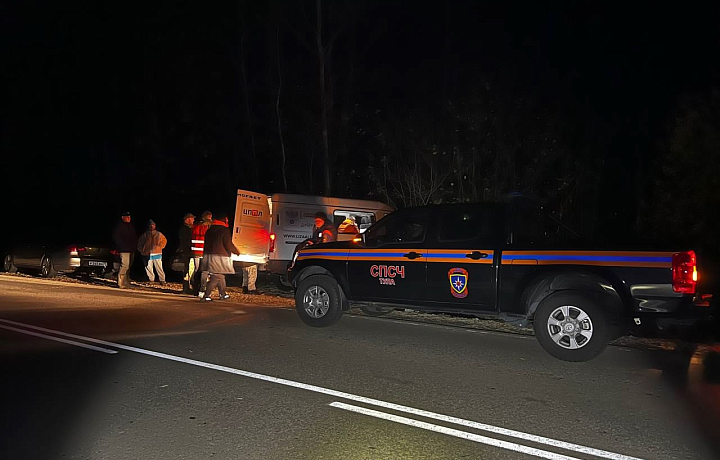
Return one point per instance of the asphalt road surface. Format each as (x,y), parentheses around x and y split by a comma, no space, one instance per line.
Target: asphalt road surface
(98,373)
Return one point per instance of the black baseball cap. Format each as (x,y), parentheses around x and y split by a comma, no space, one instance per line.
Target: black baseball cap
(125,214)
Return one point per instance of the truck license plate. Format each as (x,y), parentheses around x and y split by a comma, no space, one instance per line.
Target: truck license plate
(94,263)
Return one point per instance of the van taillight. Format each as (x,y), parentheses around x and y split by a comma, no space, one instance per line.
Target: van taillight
(685,274)
(272,242)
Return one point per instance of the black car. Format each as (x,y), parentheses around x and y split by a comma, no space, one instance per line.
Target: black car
(51,259)
(504,261)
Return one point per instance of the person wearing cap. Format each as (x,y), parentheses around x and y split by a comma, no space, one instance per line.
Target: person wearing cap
(151,245)
(125,239)
(185,253)
(198,249)
(323,231)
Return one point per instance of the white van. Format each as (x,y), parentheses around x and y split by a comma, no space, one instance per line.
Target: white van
(268,228)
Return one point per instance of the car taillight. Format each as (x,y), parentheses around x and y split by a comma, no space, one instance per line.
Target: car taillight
(114,252)
(272,242)
(685,274)
(74,250)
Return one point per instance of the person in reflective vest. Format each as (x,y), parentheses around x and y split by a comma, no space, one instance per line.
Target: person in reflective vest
(323,231)
(184,251)
(198,250)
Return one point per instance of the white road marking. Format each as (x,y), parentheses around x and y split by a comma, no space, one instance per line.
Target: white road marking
(349,396)
(58,339)
(453,432)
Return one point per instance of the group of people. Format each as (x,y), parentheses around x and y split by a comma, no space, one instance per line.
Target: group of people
(204,249)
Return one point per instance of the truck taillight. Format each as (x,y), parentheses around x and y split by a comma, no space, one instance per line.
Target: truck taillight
(685,274)
(272,242)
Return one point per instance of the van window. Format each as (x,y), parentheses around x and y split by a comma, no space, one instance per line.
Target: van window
(362,220)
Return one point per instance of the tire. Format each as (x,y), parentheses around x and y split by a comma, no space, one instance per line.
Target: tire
(9,264)
(314,289)
(371,310)
(581,338)
(282,283)
(47,270)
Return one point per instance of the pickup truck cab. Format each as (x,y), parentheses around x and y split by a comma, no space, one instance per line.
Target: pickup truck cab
(495,259)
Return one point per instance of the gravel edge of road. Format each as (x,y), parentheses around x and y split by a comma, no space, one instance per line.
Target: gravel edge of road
(274,297)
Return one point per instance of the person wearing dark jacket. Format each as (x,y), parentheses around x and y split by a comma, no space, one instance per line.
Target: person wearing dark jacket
(125,239)
(323,231)
(185,252)
(219,249)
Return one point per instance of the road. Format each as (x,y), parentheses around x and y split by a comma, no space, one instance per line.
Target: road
(97,373)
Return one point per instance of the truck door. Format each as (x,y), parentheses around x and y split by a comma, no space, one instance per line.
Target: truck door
(461,257)
(251,230)
(390,264)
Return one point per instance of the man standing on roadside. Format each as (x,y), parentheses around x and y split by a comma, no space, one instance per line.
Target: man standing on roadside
(125,240)
(150,245)
(249,280)
(185,251)
(198,250)
(219,249)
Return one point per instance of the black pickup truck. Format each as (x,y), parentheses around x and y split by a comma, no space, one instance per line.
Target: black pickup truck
(497,259)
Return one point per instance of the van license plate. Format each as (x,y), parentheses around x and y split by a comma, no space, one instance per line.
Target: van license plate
(93,263)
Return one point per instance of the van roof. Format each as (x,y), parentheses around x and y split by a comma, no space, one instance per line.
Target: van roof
(330,201)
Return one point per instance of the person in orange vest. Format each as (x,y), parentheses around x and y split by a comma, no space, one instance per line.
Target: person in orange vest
(198,250)
(184,251)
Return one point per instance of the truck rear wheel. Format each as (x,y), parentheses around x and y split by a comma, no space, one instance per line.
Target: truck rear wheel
(318,302)
(572,327)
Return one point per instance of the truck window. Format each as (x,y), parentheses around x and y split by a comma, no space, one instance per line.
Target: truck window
(409,228)
(468,223)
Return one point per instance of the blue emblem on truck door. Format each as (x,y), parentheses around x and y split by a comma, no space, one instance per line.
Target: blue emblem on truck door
(458,282)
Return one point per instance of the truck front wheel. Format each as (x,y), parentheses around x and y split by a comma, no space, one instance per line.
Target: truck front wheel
(318,302)
(571,326)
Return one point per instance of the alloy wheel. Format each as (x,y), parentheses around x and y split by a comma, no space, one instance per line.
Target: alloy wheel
(570,327)
(316,302)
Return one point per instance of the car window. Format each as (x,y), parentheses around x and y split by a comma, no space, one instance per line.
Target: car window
(466,223)
(409,228)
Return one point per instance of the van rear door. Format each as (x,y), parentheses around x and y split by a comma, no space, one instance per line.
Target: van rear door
(251,231)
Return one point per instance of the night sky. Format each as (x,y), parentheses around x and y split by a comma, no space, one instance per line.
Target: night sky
(113,106)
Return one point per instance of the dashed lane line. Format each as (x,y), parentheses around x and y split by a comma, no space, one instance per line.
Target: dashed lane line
(351,397)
